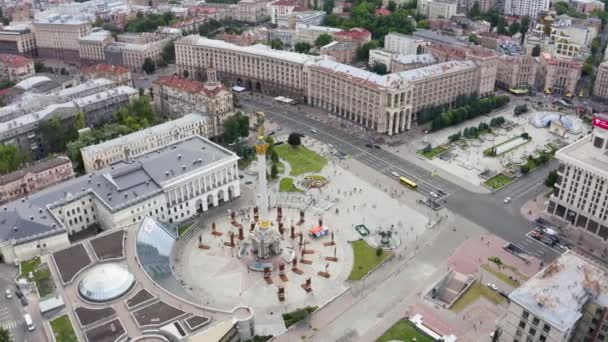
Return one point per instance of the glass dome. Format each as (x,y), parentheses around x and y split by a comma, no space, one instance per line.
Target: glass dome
(105,282)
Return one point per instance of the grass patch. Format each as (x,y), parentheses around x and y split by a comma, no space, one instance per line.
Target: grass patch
(434,152)
(280,167)
(245,162)
(365,259)
(503,277)
(475,291)
(295,316)
(301,159)
(63,330)
(183,229)
(286,185)
(41,274)
(404,330)
(498,181)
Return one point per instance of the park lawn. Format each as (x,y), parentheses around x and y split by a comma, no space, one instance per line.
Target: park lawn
(434,152)
(183,229)
(295,316)
(404,330)
(301,159)
(286,185)
(498,181)
(280,168)
(503,277)
(63,330)
(28,266)
(473,293)
(365,259)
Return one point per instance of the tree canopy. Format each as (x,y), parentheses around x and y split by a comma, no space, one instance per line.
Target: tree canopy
(323,39)
(149,66)
(149,22)
(235,127)
(11,158)
(276,44)
(302,47)
(168,53)
(363,51)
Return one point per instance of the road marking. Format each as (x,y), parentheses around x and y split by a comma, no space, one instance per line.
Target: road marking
(10,325)
(543,244)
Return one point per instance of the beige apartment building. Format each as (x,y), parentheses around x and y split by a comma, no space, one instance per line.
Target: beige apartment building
(17,40)
(58,36)
(256,67)
(250,11)
(516,72)
(91,47)
(444,9)
(389,103)
(34,177)
(600,88)
(558,75)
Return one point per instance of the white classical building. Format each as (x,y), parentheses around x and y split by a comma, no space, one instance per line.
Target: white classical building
(133,145)
(171,185)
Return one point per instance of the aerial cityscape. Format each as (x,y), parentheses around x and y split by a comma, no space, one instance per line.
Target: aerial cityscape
(304,170)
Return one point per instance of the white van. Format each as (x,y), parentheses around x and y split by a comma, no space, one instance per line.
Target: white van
(28,322)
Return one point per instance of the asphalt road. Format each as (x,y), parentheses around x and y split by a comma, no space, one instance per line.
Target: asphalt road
(488,211)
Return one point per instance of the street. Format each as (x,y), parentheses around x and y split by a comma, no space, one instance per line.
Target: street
(488,211)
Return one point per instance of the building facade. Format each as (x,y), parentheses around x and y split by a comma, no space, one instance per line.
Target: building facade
(35,177)
(564,302)
(57,37)
(116,73)
(516,72)
(558,75)
(250,11)
(442,9)
(301,18)
(309,34)
(530,8)
(280,8)
(170,185)
(16,68)
(405,45)
(341,51)
(580,195)
(136,144)
(256,67)
(600,87)
(17,40)
(91,47)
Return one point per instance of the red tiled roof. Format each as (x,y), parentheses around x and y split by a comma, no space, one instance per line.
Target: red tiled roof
(283,3)
(382,11)
(105,68)
(190,86)
(354,33)
(14,60)
(188,22)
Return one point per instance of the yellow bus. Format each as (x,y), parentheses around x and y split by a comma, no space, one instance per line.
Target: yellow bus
(410,184)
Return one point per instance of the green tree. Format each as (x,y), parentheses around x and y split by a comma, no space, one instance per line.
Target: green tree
(148,67)
(80,121)
(276,44)
(423,24)
(587,69)
(56,135)
(40,67)
(168,53)
(235,127)
(552,178)
(525,168)
(328,6)
(525,135)
(474,39)
(302,47)
(274,171)
(294,139)
(392,6)
(379,68)
(5,336)
(475,11)
(185,74)
(11,158)
(501,27)
(323,39)
(514,28)
(536,51)
(363,51)
(525,25)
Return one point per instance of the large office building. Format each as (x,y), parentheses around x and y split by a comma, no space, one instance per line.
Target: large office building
(516,72)
(530,8)
(136,144)
(580,195)
(58,36)
(405,44)
(600,88)
(567,301)
(558,75)
(256,67)
(388,104)
(170,185)
(34,177)
(17,40)
(91,47)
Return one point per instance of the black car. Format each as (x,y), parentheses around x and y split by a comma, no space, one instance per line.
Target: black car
(18,293)
(377,147)
(369,145)
(23,301)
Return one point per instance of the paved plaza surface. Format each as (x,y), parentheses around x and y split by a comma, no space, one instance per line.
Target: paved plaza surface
(222,280)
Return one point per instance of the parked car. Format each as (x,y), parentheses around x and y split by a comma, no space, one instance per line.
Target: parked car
(8,294)
(492,286)
(507,200)
(377,147)
(395,174)
(369,145)
(433,194)
(312,130)
(23,301)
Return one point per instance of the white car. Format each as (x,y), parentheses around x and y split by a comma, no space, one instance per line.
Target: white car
(492,286)
(395,174)
(508,200)
(313,130)
(433,194)
(8,294)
